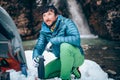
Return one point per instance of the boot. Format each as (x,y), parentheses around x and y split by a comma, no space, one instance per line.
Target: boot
(76,72)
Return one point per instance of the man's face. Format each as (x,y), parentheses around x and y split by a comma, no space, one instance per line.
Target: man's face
(49,17)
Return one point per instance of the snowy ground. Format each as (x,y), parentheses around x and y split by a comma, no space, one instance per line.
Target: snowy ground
(90,70)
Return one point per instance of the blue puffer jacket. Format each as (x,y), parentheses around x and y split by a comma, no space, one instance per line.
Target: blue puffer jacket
(65,31)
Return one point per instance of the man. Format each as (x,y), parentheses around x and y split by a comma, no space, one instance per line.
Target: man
(61,36)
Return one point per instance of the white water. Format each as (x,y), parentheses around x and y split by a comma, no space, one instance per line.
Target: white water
(78,17)
(90,70)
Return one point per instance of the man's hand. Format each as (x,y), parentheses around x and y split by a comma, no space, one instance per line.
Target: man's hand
(36,61)
(48,46)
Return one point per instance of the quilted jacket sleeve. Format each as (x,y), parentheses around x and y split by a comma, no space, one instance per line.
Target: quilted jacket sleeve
(40,45)
(72,35)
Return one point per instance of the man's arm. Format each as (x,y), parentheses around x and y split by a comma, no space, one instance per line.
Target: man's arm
(40,46)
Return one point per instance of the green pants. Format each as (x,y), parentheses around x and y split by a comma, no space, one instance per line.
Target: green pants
(70,57)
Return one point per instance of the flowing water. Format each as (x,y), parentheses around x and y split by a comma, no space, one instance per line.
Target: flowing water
(78,17)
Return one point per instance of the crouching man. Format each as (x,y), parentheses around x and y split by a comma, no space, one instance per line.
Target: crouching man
(61,36)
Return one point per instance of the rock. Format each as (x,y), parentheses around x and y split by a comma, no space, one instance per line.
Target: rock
(111,72)
(104,48)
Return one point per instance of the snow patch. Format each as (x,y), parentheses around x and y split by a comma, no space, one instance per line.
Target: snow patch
(90,70)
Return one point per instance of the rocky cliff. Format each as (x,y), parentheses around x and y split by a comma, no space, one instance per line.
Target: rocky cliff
(103,16)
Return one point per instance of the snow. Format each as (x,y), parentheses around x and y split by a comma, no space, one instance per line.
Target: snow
(90,70)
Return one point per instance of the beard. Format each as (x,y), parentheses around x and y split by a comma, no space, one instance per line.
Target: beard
(51,24)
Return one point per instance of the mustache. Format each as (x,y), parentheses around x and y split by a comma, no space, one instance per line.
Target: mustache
(51,24)
(48,20)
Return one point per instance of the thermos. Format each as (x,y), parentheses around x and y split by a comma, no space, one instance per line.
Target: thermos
(41,70)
